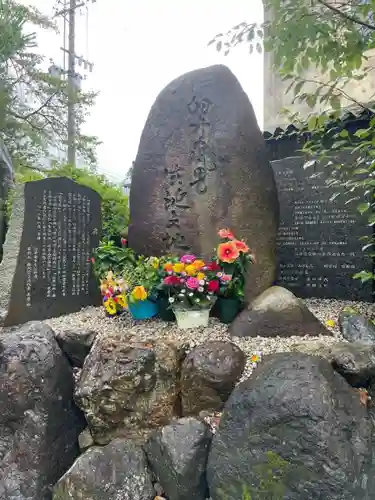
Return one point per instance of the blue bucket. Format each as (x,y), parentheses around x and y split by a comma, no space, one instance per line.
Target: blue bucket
(143,309)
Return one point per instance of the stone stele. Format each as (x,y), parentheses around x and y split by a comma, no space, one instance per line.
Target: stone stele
(202,166)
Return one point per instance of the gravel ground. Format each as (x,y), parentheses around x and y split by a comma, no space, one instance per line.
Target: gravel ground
(94,318)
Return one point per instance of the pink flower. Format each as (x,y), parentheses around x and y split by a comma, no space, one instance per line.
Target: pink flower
(187,259)
(192,283)
(123,241)
(226,277)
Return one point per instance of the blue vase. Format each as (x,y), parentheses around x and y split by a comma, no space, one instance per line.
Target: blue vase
(143,309)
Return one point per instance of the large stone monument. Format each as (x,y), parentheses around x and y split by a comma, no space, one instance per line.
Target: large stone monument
(46,269)
(202,166)
(319,245)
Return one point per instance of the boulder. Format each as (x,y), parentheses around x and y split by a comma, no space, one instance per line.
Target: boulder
(356,328)
(208,376)
(113,472)
(277,313)
(295,429)
(76,344)
(85,440)
(202,166)
(177,455)
(39,422)
(354,361)
(127,389)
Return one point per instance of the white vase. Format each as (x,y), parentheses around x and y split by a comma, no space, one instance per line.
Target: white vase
(191,318)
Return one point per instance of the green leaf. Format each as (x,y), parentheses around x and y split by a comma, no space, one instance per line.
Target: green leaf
(362,133)
(312,123)
(364,276)
(363,207)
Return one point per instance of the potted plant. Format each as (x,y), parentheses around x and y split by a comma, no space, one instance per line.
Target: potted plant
(113,291)
(141,280)
(109,257)
(191,285)
(234,257)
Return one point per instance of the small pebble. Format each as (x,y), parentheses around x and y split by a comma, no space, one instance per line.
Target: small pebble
(94,318)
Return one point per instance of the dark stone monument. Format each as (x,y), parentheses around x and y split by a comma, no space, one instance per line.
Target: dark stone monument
(202,166)
(319,247)
(46,268)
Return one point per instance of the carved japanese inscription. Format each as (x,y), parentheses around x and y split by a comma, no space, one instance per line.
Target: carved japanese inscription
(201,166)
(319,247)
(46,269)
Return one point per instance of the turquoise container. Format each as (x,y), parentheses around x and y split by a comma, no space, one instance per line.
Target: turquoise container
(143,309)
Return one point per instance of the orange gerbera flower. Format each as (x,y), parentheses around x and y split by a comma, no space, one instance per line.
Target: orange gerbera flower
(227,252)
(241,246)
(168,266)
(198,264)
(225,233)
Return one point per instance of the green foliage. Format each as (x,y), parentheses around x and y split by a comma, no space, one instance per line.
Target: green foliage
(144,272)
(115,211)
(109,257)
(271,475)
(333,39)
(31,127)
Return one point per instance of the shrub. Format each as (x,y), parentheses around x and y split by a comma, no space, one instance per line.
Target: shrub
(115,210)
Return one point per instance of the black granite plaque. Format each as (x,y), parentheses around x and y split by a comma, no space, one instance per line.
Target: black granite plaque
(319,247)
(46,269)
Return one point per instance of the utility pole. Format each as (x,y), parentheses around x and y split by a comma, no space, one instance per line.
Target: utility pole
(71,83)
(68,13)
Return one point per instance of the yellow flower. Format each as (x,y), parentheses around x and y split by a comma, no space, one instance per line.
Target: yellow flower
(198,264)
(103,287)
(121,301)
(178,267)
(139,293)
(201,276)
(255,358)
(190,270)
(110,307)
(155,263)
(330,323)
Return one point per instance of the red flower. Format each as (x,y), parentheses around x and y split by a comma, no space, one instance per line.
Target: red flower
(213,286)
(213,266)
(123,241)
(226,234)
(241,246)
(227,252)
(171,281)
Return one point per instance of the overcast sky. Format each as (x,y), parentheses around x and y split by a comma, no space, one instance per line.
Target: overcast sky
(138,47)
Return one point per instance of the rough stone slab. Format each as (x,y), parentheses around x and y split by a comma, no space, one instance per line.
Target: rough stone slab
(202,166)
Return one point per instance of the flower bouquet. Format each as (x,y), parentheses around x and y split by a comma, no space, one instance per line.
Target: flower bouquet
(113,290)
(234,257)
(192,285)
(141,281)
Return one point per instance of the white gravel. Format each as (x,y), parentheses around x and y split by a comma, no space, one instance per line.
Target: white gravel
(94,318)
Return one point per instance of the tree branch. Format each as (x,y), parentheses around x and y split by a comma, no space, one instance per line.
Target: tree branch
(342,92)
(346,16)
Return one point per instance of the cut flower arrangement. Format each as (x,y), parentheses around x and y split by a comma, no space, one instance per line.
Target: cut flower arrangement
(234,257)
(189,285)
(113,290)
(192,283)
